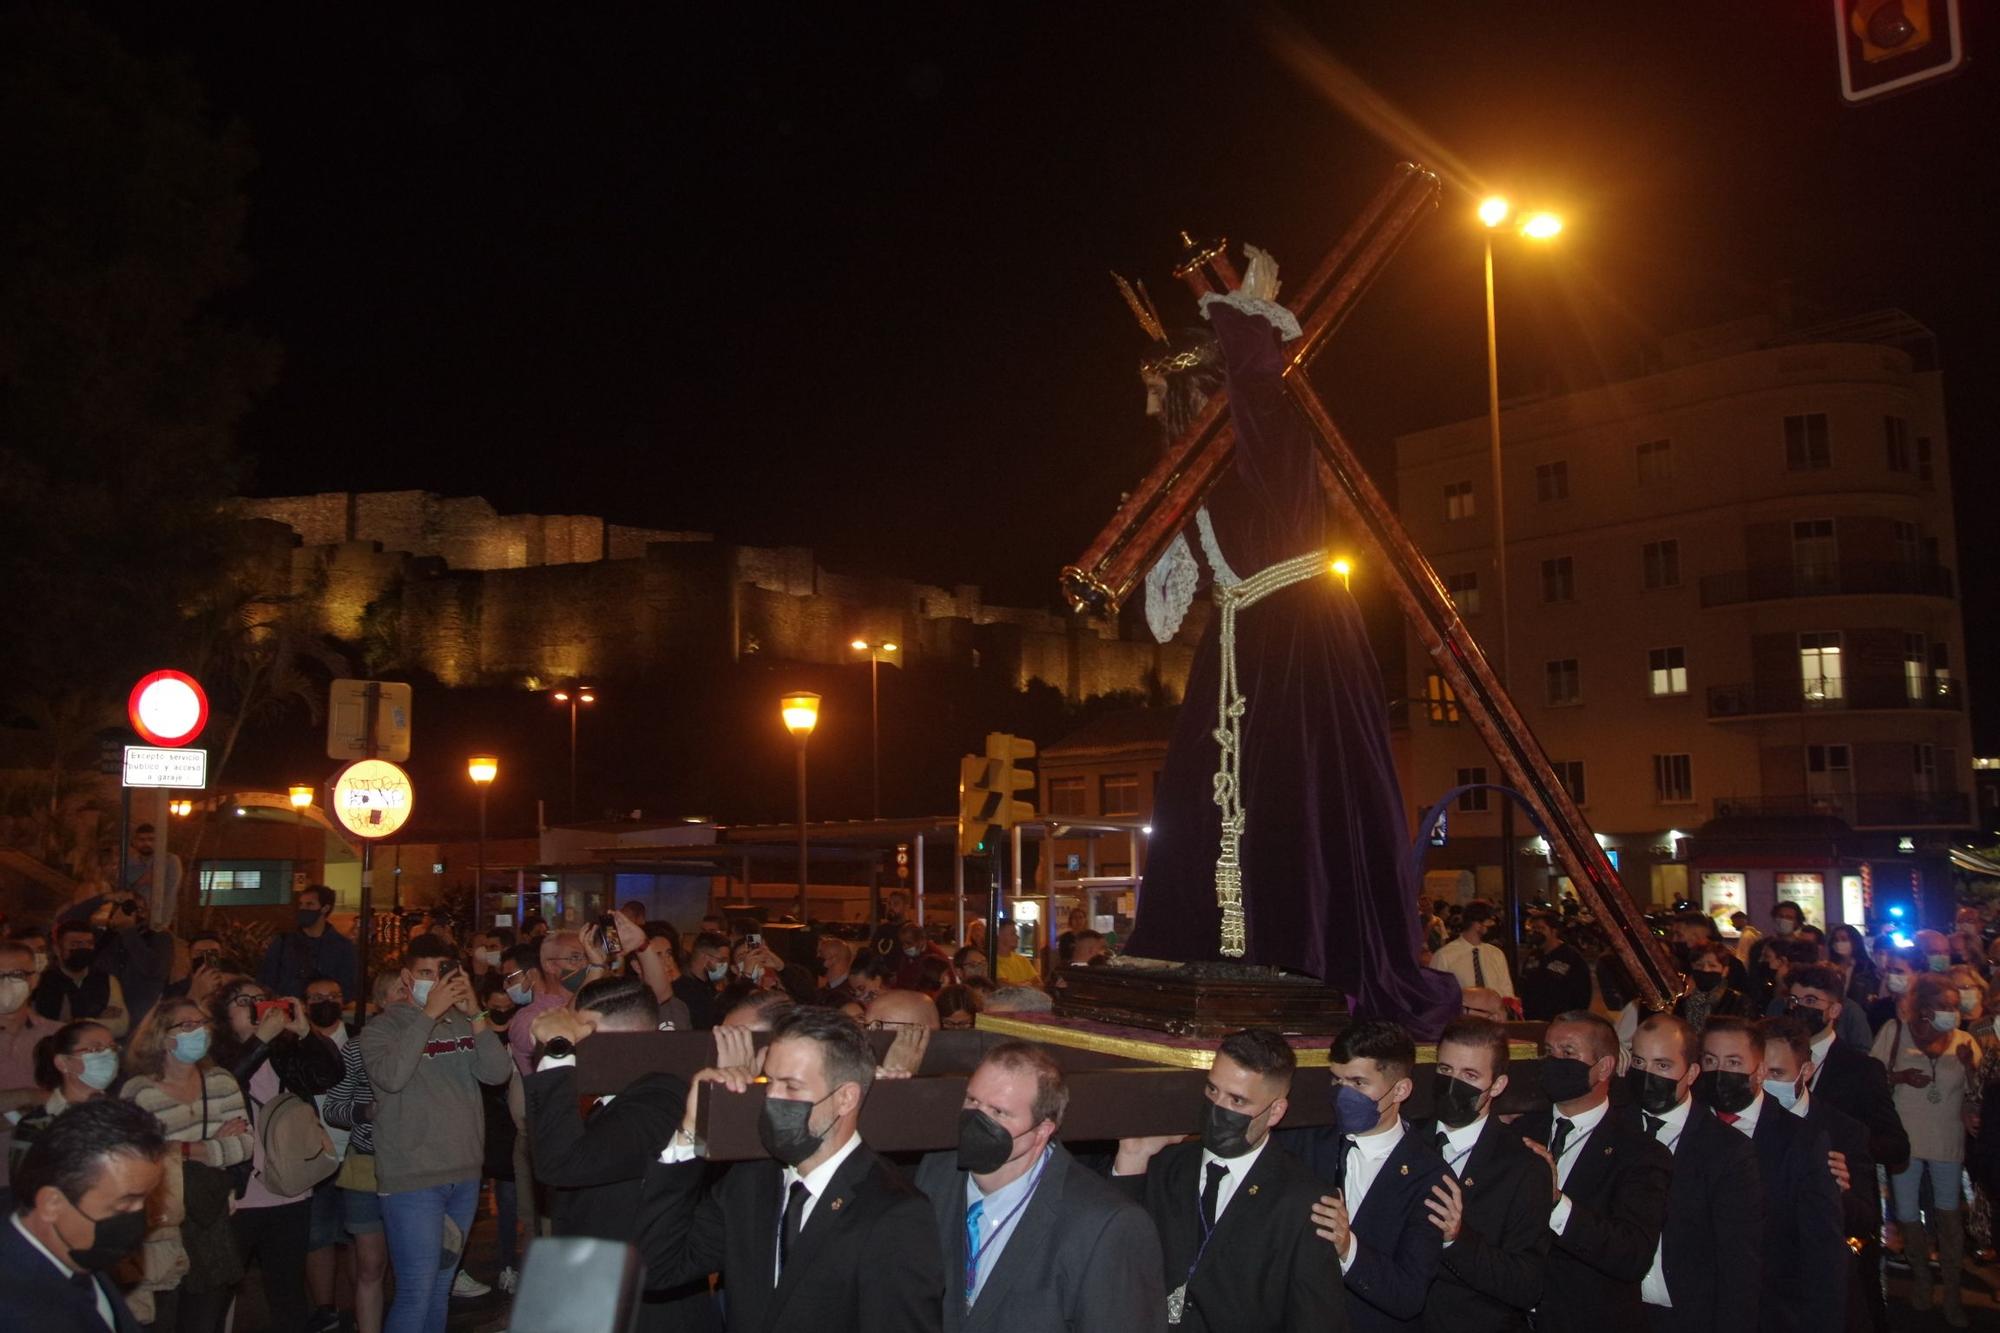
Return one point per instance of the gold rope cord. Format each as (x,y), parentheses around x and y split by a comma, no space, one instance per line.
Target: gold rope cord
(1229,736)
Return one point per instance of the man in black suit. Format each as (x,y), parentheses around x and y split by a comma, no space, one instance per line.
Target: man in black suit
(1788,1072)
(1493,1209)
(77,1207)
(593,1167)
(1708,1270)
(825,1238)
(1607,1183)
(1556,978)
(1843,1074)
(1031,1239)
(1234,1211)
(1805,1250)
(1382,1175)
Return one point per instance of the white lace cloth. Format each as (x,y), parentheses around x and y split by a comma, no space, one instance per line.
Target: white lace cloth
(1284,320)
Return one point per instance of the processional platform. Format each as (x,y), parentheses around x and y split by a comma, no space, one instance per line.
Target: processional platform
(1199,1000)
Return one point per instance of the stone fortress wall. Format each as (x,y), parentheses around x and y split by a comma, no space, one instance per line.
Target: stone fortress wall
(452,587)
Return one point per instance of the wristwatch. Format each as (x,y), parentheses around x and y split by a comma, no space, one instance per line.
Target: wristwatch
(558,1046)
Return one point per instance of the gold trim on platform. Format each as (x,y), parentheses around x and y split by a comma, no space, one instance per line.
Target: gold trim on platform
(1164,1054)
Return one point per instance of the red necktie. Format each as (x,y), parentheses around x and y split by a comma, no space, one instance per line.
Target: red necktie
(1727,1117)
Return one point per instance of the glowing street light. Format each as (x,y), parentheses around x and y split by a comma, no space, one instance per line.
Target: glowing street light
(876,652)
(1541,226)
(302,796)
(302,799)
(575,697)
(1344,567)
(1493,211)
(801,714)
(180,807)
(482,769)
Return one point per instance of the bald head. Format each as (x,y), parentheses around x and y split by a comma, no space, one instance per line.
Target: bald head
(907,1008)
(1482,1002)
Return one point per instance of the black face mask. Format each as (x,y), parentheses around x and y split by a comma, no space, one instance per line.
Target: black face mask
(1565,1080)
(323,1013)
(1707,981)
(79,960)
(1811,1015)
(307,918)
(984,1145)
(1226,1133)
(117,1236)
(1727,1090)
(1656,1093)
(1455,1101)
(785,1129)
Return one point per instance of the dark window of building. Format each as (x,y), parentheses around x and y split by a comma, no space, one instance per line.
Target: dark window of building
(1673,778)
(1569,772)
(1471,800)
(1924,477)
(1066,796)
(1118,794)
(1458,500)
(1662,563)
(1552,481)
(1806,446)
(1815,555)
(1558,580)
(1564,686)
(1896,438)
(1656,461)
(1464,590)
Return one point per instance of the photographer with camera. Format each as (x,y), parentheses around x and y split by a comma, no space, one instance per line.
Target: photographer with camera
(425,1059)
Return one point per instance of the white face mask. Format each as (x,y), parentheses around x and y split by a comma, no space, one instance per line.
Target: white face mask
(1786,925)
(13,994)
(420,991)
(1944,1020)
(1786,1094)
(100,1069)
(490,957)
(1897,982)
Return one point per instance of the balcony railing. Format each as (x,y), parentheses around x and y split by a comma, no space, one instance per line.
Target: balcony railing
(1862,810)
(1848,578)
(1892,693)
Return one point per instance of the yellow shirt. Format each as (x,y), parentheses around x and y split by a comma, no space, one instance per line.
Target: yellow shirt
(1010,969)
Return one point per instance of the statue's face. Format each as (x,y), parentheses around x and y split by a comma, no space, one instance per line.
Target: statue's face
(1156,393)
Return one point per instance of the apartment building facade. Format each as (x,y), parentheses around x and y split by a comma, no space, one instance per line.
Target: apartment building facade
(1733,621)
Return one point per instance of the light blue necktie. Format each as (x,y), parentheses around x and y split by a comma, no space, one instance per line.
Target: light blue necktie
(973,1216)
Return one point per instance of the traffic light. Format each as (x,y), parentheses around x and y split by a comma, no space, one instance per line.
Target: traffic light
(986,788)
(1887,45)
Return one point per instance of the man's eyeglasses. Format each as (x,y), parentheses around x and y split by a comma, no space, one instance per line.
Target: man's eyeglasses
(15,976)
(879,1024)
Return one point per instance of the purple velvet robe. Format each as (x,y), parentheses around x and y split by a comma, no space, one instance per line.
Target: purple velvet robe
(1325,881)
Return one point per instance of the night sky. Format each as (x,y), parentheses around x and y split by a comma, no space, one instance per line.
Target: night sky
(839,279)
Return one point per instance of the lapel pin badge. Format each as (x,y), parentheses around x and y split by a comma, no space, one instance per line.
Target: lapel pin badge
(1406,1168)
(835,1205)
(1253,1189)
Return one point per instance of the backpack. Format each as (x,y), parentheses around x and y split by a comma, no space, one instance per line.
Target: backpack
(296,1150)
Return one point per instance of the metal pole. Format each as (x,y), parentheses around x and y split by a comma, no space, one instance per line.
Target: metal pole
(958,889)
(875,731)
(125,839)
(802,830)
(572,755)
(1510,903)
(364,929)
(162,904)
(917,850)
(479,888)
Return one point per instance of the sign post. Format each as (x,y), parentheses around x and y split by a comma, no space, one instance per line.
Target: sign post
(168,709)
(368,721)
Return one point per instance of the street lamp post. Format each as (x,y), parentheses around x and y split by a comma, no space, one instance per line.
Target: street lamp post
(482,768)
(876,652)
(1494,212)
(580,694)
(801,714)
(302,797)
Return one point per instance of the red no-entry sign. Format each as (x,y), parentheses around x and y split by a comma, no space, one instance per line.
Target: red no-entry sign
(168,708)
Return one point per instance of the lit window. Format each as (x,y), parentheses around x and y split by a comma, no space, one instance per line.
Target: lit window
(1666,672)
(1819,668)
(1440,702)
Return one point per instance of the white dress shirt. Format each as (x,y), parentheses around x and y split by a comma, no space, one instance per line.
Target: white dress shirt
(1456,958)
(1459,1143)
(1366,1156)
(1238,1168)
(96,1283)
(1821,1044)
(1653,1290)
(1580,1127)
(816,1182)
(1746,1119)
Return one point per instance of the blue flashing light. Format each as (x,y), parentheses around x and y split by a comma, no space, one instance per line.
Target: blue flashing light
(1895,911)
(1902,941)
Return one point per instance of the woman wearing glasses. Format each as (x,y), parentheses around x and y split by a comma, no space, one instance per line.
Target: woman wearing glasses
(192,1263)
(73,1064)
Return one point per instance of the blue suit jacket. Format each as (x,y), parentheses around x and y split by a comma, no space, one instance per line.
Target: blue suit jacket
(36,1298)
(1397,1247)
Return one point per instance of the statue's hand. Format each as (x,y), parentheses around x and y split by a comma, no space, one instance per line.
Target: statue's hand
(1260,279)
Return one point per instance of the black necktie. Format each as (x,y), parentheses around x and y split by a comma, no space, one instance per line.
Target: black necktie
(795,1208)
(1210,1193)
(1653,1123)
(1441,1140)
(1478,968)
(1340,1163)
(1561,1138)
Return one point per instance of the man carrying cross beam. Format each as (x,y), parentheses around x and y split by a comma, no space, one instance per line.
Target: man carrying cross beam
(1278,831)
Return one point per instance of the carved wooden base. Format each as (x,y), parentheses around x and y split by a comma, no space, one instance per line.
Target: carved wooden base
(1201,999)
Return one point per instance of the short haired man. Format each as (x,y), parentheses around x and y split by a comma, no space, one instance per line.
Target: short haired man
(1555,977)
(1787,917)
(1607,1182)
(74,987)
(1788,1076)
(425,1059)
(1747,936)
(1469,958)
(1844,1075)
(1493,1208)
(1031,1239)
(1383,1176)
(758,1011)
(836,960)
(1481,1002)
(79,1207)
(1018,1000)
(1805,1246)
(594,1167)
(1009,967)
(21,1030)
(824,1236)
(315,949)
(1267,1270)
(564,967)
(707,969)
(139,877)
(895,1009)
(1707,1272)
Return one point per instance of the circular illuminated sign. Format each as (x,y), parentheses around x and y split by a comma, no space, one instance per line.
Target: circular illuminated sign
(168,708)
(372,798)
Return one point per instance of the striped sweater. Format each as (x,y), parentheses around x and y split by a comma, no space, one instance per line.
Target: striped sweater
(189,1122)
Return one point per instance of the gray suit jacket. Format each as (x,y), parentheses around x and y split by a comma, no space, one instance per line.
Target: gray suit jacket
(1082,1259)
